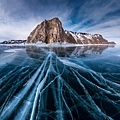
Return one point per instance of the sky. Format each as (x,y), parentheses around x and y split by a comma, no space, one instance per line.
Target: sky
(19,17)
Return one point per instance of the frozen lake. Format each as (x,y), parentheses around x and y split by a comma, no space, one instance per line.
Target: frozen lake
(60,83)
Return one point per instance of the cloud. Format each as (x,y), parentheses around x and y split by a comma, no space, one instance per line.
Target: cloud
(17,30)
(99,17)
(26,9)
(18,19)
(97,10)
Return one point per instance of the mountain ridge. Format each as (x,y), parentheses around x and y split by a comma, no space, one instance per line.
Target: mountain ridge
(50,31)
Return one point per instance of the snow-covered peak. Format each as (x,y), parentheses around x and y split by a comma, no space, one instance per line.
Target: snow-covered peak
(86,38)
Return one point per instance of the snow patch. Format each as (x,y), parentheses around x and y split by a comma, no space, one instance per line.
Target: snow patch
(88,36)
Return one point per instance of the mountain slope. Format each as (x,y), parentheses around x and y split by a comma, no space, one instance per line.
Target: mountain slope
(50,31)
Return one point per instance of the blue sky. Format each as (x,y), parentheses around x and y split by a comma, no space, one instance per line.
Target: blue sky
(19,17)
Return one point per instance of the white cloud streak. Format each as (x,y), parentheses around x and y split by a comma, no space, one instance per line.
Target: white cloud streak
(12,27)
(102,22)
(17,19)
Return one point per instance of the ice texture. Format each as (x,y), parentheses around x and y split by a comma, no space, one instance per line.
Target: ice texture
(42,83)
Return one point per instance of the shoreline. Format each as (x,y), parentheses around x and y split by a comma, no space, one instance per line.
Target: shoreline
(56,45)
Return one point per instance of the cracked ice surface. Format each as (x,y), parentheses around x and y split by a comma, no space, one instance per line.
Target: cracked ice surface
(60,84)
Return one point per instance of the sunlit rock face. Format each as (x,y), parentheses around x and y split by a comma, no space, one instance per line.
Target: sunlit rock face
(50,31)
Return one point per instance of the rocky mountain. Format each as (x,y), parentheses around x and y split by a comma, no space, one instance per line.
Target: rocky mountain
(86,38)
(50,31)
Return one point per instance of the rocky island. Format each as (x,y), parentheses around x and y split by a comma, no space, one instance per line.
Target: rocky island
(50,31)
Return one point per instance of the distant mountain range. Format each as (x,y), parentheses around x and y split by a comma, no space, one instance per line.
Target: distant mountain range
(13,42)
(50,31)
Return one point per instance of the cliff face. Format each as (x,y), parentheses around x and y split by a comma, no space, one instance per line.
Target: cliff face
(50,31)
